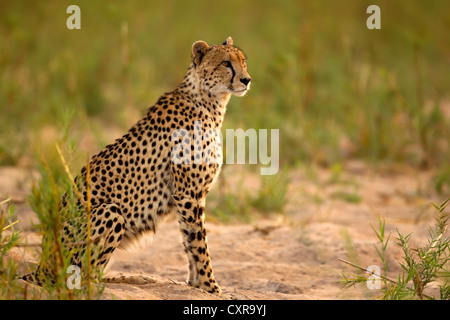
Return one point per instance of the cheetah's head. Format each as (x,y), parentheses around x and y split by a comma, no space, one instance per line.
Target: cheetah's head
(221,69)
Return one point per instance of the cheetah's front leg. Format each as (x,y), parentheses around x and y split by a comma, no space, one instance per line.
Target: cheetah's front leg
(191,220)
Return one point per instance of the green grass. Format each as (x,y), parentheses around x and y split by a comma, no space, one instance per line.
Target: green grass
(421,266)
(54,180)
(230,204)
(45,200)
(272,195)
(319,75)
(9,237)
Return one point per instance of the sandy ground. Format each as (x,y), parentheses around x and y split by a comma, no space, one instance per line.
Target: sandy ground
(293,255)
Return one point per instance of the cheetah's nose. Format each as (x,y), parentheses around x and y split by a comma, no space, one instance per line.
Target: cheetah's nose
(246,81)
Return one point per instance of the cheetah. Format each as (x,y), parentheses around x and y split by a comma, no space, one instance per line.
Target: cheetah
(134,183)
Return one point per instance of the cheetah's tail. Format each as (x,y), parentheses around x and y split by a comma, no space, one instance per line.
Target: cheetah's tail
(32,277)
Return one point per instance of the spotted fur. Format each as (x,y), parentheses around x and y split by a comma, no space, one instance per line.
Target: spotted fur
(134,183)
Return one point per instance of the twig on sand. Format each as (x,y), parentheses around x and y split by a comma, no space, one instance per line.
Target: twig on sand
(367,271)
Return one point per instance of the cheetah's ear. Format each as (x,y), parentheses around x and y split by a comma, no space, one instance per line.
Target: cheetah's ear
(199,49)
(228,42)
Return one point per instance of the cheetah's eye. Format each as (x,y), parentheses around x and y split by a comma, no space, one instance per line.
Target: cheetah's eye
(226,64)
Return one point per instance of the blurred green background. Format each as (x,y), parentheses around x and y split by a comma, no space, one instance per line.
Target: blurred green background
(335,89)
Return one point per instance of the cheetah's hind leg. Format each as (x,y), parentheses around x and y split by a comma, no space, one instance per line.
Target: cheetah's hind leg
(107,229)
(108,226)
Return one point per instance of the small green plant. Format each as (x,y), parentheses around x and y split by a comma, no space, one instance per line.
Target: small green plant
(382,251)
(421,266)
(8,240)
(351,197)
(55,266)
(441,179)
(231,205)
(272,195)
